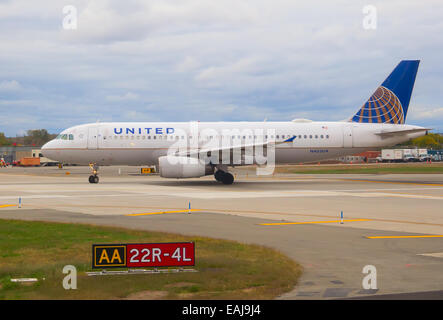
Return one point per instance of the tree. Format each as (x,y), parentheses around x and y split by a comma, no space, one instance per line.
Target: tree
(430,141)
(37,137)
(3,140)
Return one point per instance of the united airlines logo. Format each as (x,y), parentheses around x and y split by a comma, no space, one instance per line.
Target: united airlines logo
(382,107)
(144,130)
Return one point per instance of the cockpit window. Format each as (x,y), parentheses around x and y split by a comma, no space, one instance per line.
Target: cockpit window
(65,136)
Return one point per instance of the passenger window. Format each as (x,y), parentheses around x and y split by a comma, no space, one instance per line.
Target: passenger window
(327,136)
(316,136)
(310,136)
(321,136)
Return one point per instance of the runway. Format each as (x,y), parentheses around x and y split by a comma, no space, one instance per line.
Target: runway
(296,214)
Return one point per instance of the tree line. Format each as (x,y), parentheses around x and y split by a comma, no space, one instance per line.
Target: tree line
(36,137)
(429,141)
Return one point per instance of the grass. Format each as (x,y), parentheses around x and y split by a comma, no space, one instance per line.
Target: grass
(382,168)
(227,269)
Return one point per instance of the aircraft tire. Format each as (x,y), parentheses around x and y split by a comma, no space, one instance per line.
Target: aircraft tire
(228,178)
(218,175)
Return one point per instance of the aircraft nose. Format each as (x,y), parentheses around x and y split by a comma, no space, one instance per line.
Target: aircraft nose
(46,149)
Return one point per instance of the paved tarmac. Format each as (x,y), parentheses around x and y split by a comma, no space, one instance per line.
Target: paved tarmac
(306,207)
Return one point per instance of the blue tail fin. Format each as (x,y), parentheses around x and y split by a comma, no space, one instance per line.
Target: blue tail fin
(390,102)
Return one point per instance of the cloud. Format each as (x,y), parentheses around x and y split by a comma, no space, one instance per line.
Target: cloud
(10,85)
(128,96)
(170,60)
(426,112)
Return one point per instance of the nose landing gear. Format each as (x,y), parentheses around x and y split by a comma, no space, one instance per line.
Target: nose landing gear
(94,177)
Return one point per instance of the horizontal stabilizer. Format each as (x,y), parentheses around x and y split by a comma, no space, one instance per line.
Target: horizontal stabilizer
(400,132)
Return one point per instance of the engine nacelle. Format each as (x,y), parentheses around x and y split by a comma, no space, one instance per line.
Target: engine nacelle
(183,167)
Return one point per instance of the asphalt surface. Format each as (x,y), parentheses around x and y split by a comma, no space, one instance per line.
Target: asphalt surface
(333,255)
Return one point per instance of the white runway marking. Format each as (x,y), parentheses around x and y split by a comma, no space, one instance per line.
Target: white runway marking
(218,194)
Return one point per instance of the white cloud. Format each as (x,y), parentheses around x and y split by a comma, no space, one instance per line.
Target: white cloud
(128,96)
(10,85)
(426,113)
(188,64)
(218,60)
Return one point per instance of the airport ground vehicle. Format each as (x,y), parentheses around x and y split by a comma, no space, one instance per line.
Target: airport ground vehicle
(29,162)
(392,155)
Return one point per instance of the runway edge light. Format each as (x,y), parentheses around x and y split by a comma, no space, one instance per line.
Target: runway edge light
(19,202)
(341,217)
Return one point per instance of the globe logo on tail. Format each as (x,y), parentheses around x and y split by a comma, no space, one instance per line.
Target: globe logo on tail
(382,107)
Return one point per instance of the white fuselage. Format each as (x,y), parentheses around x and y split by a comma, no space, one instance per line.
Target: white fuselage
(142,143)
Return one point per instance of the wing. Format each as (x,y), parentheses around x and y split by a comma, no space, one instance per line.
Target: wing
(233,148)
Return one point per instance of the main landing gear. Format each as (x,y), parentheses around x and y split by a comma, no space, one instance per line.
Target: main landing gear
(94,177)
(224,177)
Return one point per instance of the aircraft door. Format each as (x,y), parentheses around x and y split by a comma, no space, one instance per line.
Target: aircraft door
(347,136)
(92,137)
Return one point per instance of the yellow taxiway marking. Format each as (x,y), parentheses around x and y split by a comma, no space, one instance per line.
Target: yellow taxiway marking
(7,205)
(161,212)
(309,222)
(409,194)
(405,237)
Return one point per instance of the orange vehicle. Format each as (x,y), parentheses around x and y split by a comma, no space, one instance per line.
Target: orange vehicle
(29,162)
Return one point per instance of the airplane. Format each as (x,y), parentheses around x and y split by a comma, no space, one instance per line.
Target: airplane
(196,149)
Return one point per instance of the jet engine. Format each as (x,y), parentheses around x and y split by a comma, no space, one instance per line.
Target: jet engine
(183,167)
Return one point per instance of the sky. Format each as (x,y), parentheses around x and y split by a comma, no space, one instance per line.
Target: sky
(230,60)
